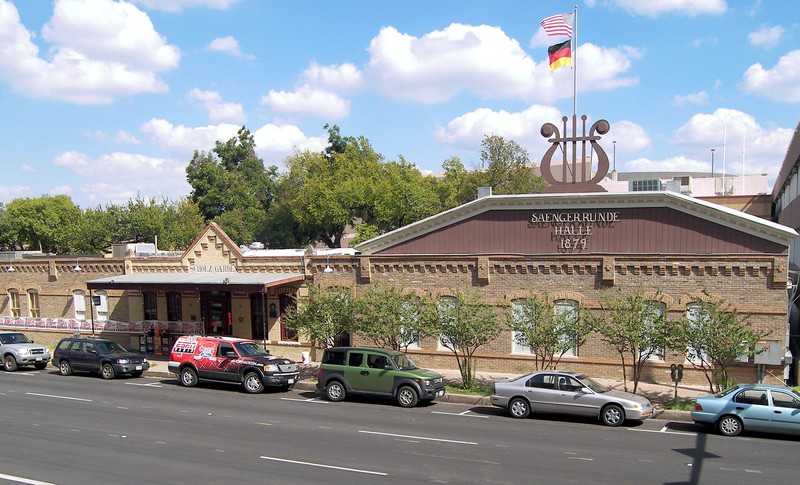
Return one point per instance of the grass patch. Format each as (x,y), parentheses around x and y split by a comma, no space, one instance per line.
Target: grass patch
(476,390)
(679,405)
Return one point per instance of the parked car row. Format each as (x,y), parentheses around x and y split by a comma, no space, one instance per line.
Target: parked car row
(369,371)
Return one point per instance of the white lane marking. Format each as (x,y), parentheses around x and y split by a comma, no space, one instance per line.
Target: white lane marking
(752,471)
(22,373)
(29,481)
(580,458)
(662,431)
(143,385)
(666,427)
(461,414)
(313,399)
(58,397)
(264,424)
(418,437)
(320,465)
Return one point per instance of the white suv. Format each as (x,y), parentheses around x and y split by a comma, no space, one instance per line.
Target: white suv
(18,350)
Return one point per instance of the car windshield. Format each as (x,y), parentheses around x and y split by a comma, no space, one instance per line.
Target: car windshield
(109,347)
(404,362)
(249,349)
(593,384)
(15,338)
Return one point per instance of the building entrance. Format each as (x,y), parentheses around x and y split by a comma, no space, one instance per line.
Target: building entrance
(216,313)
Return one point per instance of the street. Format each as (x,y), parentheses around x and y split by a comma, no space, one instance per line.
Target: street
(84,430)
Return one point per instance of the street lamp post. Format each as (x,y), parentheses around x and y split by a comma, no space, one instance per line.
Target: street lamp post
(712,171)
(614,144)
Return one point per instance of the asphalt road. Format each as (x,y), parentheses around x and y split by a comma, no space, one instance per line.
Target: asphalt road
(84,430)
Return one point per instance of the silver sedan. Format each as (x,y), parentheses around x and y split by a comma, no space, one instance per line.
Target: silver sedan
(568,393)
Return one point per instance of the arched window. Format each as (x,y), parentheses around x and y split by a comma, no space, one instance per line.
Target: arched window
(13,302)
(102,307)
(658,310)
(79,302)
(518,314)
(33,303)
(568,311)
(409,318)
(446,304)
(697,316)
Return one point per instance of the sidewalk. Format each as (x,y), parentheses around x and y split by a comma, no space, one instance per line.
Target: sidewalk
(657,393)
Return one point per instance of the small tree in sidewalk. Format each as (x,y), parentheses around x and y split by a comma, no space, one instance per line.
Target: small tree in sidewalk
(390,317)
(547,329)
(327,315)
(714,337)
(634,326)
(464,324)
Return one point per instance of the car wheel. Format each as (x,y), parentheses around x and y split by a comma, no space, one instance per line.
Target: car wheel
(188,377)
(65,368)
(10,363)
(138,373)
(729,425)
(519,408)
(407,397)
(612,415)
(107,371)
(334,391)
(40,366)
(252,383)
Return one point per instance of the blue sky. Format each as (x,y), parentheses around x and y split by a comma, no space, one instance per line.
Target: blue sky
(105,100)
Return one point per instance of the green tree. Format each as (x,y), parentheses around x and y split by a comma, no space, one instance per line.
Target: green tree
(634,326)
(506,167)
(714,337)
(40,222)
(390,317)
(325,317)
(549,330)
(233,178)
(464,324)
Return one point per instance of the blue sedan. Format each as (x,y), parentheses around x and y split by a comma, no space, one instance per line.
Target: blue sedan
(752,407)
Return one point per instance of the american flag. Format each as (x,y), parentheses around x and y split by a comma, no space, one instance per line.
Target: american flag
(560,24)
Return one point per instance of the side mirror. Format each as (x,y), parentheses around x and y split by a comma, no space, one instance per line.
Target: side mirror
(388,367)
(586,390)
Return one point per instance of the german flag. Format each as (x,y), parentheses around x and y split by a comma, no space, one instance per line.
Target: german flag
(560,55)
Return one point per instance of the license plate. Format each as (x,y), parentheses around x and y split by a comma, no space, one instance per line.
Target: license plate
(439,393)
(138,367)
(38,359)
(291,381)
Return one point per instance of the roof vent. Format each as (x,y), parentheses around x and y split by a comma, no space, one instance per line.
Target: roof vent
(256,245)
(484,192)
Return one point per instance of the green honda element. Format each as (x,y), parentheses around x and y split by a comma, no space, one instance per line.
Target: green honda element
(376,372)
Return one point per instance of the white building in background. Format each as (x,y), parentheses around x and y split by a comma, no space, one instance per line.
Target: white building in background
(696,184)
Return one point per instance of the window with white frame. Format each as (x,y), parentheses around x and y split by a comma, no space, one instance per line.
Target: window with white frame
(694,312)
(102,307)
(33,303)
(13,302)
(446,303)
(658,310)
(409,318)
(79,302)
(518,314)
(567,309)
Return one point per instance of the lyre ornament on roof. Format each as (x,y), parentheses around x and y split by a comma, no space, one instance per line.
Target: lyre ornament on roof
(576,168)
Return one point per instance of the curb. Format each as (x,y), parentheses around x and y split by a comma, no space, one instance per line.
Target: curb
(471,399)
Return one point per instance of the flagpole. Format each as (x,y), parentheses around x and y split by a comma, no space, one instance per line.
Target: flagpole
(575,62)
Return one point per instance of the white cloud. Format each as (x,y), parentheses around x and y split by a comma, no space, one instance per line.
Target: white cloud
(180,5)
(124,137)
(218,110)
(10,193)
(184,140)
(781,83)
(100,50)
(674,164)
(766,36)
(273,142)
(630,138)
(700,97)
(308,100)
(228,45)
(117,177)
(60,190)
(484,61)
(468,130)
(342,77)
(654,8)
(734,134)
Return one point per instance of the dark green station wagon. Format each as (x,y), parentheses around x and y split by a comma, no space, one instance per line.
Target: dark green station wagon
(376,372)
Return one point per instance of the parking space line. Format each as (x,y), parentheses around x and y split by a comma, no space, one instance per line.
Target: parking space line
(418,437)
(29,481)
(662,431)
(143,385)
(465,414)
(320,465)
(58,397)
(313,399)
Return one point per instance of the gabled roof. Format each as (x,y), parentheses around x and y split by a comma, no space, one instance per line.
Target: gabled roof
(708,211)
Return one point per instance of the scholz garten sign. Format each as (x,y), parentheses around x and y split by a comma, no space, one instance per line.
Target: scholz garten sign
(572,231)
